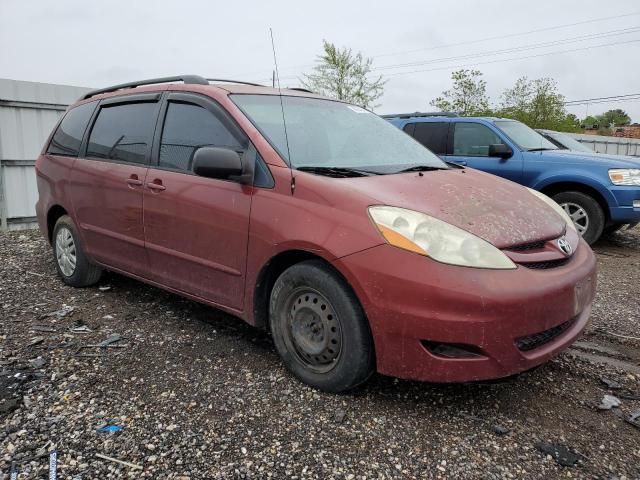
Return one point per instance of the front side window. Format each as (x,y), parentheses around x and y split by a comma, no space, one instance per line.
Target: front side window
(68,136)
(526,138)
(123,132)
(188,127)
(473,139)
(432,135)
(324,133)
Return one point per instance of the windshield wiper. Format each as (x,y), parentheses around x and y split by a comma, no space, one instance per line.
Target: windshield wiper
(421,168)
(338,171)
(540,149)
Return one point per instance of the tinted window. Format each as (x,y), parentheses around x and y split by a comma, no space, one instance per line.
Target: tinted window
(188,127)
(68,136)
(473,140)
(123,132)
(432,135)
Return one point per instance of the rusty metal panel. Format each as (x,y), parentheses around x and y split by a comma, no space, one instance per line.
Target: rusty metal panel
(28,113)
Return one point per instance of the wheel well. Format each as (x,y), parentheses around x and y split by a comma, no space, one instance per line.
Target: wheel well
(555,188)
(267,278)
(54,214)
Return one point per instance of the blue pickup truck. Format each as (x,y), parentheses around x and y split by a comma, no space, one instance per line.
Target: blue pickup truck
(601,193)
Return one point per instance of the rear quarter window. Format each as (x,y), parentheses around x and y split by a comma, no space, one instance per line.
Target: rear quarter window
(68,136)
(432,135)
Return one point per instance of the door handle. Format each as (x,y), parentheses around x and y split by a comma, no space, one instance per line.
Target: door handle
(156,185)
(134,181)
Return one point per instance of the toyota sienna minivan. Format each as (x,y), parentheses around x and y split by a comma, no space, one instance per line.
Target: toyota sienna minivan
(357,248)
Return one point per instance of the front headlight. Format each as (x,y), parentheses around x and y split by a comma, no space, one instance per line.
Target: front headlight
(552,203)
(625,176)
(420,233)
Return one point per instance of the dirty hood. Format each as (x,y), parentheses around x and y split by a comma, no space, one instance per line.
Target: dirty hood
(497,210)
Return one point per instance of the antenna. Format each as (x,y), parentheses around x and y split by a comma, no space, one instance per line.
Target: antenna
(284,122)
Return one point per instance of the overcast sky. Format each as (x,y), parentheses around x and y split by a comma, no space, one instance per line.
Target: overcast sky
(94,44)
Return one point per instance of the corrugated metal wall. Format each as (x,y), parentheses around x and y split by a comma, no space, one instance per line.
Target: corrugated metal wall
(28,112)
(610,145)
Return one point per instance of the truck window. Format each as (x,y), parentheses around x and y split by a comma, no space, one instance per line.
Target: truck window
(432,135)
(473,139)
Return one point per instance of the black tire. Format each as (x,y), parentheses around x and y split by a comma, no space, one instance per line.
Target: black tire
(613,228)
(595,214)
(84,273)
(330,319)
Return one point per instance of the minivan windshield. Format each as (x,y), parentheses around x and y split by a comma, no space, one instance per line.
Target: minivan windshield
(526,138)
(331,136)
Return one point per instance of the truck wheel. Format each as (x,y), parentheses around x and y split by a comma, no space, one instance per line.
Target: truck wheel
(319,328)
(586,213)
(71,262)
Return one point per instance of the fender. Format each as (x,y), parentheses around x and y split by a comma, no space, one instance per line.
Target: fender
(572,176)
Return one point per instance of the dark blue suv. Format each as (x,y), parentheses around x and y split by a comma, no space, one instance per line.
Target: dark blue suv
(600,192)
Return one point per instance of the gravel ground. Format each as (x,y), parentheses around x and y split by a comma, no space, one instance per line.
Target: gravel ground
(198,394)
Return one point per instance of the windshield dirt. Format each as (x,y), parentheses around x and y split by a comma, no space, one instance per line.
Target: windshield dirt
(325,134)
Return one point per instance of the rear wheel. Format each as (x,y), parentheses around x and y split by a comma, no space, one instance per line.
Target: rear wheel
(71,262)
(586,213)
(319,328)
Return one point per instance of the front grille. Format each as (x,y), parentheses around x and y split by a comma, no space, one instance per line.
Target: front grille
(536,340)
(544,265)
(527,246)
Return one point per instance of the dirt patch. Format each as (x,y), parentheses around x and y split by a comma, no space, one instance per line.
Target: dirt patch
(194,393)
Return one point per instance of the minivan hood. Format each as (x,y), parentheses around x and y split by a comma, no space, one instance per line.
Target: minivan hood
(587,158)
(497,210)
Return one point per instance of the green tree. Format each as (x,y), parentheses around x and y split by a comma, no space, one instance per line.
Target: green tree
(590,121)
(468,96)
(538,104)
(343,75)
(617,117)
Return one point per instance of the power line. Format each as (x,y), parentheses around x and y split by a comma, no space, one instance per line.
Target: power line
(510,35)
(481,40)
(449,67)
(602,98)
(623,31)
(504,51)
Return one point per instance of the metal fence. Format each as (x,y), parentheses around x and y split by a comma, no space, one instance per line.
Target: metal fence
(610,145)
(28,112)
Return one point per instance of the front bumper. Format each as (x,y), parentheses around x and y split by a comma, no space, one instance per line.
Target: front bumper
(410,299)
(624,212)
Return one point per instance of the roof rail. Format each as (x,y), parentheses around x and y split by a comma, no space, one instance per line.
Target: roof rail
(234,81)
(300,89)
(421,114)
(187,79)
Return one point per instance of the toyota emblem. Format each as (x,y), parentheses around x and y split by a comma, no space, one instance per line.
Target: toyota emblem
(565,246)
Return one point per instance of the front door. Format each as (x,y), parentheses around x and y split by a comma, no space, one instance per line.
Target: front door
(196,228)
(470,147)
(107,182)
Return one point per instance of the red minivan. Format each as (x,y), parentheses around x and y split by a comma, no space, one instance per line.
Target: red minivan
(358,249)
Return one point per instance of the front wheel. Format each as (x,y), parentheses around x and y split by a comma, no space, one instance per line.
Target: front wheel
(319,328)
(586,213)
(71,262)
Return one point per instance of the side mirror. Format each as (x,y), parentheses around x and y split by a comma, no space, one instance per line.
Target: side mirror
(215,162)
(500,150)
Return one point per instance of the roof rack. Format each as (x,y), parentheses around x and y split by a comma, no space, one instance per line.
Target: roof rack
(187,79)
(234,81)
(421,114)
